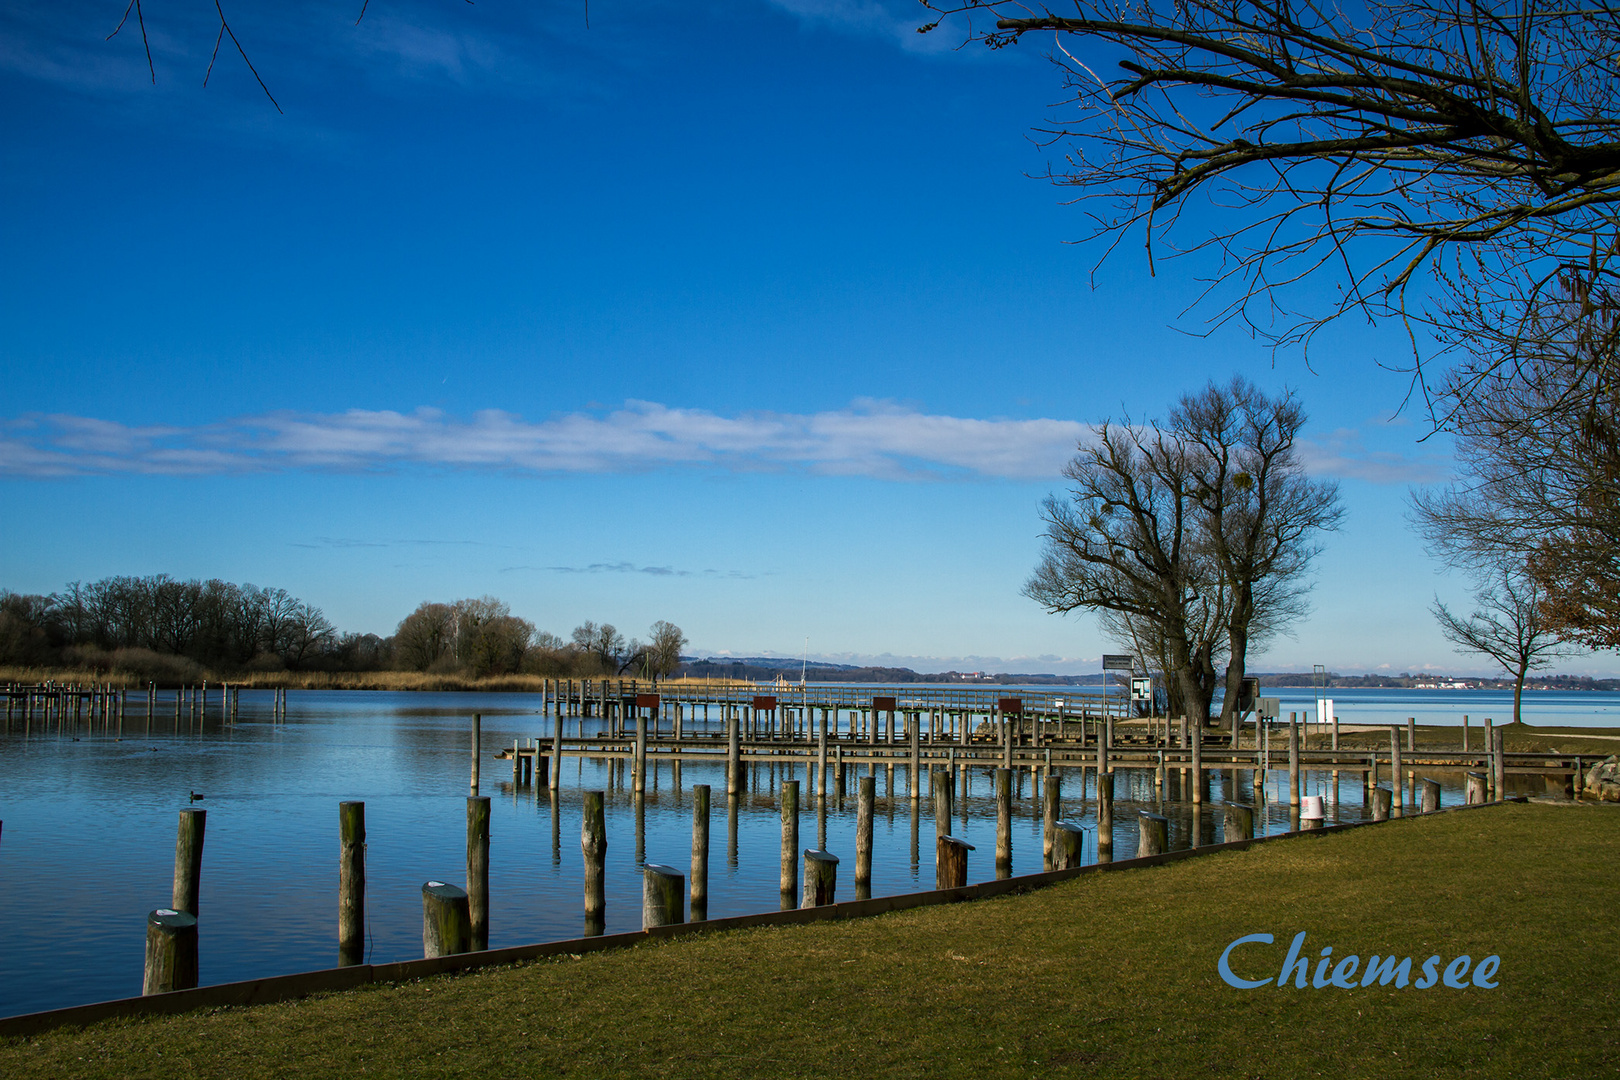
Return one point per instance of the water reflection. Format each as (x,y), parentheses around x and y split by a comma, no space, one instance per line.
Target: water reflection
(90,819)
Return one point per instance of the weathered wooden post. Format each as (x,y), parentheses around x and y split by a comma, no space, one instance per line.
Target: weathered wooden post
(950,862)
(1499,764)
(477,747)
(446,924)
(171,951)
(1490,761)
(1105,816)
(351,883)
(188,852)
(1397,778)
(1196,736)
(593,845)
(1381,803)
(1474,788)
(821,758)
(557,745)
(733,753)
(940,781)
(916,755)
(865,798)
(1152,833)
(1293,761)
(639,779)
(663,895)
(790,841)
(1239,822)
(1051,801)
(478,869)
(1003,823)
(1068,845)
(1431,796)
(700,852)
(820,878)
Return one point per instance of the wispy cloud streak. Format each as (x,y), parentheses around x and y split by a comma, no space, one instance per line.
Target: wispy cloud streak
(870,439)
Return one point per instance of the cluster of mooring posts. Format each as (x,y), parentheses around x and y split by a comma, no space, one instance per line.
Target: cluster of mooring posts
(833,729)
(831,732)
(102,705)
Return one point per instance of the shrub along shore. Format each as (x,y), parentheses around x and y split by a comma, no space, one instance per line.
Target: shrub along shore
(1110,974)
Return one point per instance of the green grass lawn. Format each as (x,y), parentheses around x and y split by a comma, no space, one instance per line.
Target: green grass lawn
(1108,975)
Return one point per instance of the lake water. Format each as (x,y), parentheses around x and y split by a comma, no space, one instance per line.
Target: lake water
(89,818)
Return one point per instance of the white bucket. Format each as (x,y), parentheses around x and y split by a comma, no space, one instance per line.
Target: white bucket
(1310,808)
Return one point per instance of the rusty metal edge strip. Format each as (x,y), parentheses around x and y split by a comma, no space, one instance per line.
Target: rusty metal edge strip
(302,984)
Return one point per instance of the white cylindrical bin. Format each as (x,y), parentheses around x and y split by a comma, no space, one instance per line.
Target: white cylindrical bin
(1310,812)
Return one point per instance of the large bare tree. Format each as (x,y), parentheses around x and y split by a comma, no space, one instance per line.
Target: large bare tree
(1126,542)
(1259,511)
(1372,143)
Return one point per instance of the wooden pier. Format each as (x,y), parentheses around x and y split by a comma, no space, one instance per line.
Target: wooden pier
(835,728)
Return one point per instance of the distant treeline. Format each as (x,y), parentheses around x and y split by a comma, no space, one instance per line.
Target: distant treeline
(172,631)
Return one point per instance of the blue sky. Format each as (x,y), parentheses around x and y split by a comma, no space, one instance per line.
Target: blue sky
(748,315)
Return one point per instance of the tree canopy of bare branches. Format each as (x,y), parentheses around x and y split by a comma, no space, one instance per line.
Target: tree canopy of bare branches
(1536,411)
(1508,625)
(1371,143)
(1191,540)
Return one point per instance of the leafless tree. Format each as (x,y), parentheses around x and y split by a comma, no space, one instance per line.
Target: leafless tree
(1260,512)
(1507,625)
(1126,542)
(1536,412)
(1372,143)
(664,648)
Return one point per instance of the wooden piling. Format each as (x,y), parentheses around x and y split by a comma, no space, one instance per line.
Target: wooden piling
(1153,834)
(557,746)
(950,862)
(639,772)
(790,840)
(1239,823)
(477,747)
(1068,846)
(865,800)
(446,924)
(733,753)
(1397,777)
(1105,817)
(916,755)
(700,852)
(478,870)
(1196,737)
(1381,800)
(1051,801)
(1474,788)
(940,782)
(171,952)
(351,883)
(1293,761)
(1003,823)
(1499,764)
(593,846)
(663,896)
(1431,796)
(820,878)
(188,852)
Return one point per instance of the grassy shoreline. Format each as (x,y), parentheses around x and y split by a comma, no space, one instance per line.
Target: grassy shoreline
(1112,974)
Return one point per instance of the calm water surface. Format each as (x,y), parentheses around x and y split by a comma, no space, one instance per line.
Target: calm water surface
(89,817)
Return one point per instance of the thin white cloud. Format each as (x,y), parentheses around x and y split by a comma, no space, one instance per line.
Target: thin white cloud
(869,438)
(1343,453)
